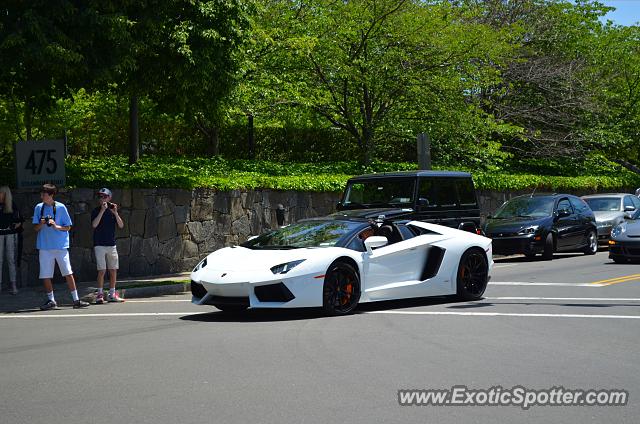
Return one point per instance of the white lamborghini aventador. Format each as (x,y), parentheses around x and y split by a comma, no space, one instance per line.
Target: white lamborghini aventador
(339,261)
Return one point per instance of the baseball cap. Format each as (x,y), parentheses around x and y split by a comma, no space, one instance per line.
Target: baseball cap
(105,191)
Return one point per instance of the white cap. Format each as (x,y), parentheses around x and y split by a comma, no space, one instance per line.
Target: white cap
(106,191)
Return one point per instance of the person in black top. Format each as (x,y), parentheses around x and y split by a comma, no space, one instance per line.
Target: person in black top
(10,225)
(104,219)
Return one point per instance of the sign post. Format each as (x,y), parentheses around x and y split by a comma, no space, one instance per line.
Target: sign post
(424,151)
(40,162)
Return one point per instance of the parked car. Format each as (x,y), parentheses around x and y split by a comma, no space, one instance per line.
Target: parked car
(543,224)
(439,197)
(341,260)
(625,240)
(610,210)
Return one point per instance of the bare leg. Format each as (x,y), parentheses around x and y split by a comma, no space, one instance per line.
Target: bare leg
(48,286)
(71,282)
(113,273)
(101,273)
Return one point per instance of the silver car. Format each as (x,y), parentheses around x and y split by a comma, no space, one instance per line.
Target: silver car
(610,210)
(625,240)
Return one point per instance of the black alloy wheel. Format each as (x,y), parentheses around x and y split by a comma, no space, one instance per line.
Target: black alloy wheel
(591,240)
(473,274)
(341,290)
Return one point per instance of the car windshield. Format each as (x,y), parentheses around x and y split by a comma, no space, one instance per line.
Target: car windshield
(526,207)
(390,192)
(304,234)
(603,204)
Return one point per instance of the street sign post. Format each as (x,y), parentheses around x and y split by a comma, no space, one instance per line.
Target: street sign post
(40,162)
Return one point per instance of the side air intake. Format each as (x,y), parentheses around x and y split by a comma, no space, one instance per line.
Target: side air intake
(434,260)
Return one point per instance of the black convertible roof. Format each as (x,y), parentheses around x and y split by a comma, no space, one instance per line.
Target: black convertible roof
(405,174)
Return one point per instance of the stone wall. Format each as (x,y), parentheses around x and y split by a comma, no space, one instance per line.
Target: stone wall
(170,230)
(167,230)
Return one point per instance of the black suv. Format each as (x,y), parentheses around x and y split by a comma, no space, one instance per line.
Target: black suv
(543,223)
(439,197)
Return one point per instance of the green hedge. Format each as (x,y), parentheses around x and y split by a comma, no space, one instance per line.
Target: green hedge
(221,174)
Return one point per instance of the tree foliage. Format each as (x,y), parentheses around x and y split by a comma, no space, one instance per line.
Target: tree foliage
(491,81)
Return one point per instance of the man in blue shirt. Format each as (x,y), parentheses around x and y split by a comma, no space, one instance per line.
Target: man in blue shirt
(52,223)
(104,219)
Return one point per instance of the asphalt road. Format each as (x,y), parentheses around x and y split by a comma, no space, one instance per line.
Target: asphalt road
(572,322)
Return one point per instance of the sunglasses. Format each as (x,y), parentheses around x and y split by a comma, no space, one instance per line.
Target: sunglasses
(103,196)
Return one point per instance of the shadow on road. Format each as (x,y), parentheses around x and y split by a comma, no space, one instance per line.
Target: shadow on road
(538,258)
(274,315)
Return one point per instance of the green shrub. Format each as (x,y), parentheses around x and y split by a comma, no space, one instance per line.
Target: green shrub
(221,174)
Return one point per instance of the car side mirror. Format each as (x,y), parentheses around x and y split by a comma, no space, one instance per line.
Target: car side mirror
(375,241)
(339,206)
(629,209)
(423,202)
(563,213)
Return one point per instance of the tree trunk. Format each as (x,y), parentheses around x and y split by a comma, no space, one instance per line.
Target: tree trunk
(213,145)
(367,146)
(628,165)
(250,136)
(134,130)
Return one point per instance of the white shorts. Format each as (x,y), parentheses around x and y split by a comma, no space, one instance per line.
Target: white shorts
(48,259)
(106,257)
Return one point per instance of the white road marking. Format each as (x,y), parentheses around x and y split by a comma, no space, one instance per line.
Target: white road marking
(504,266)
(591,299)
(106,315)
(525,283)
(503,314)
(158,301)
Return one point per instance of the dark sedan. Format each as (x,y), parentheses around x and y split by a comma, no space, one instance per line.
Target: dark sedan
(543,224)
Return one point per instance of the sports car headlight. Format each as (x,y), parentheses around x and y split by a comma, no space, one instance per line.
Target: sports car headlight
(529,230)
(617,231)
(284,268)
(201,265)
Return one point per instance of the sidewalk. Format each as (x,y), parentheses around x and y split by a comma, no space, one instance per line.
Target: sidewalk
(30,298)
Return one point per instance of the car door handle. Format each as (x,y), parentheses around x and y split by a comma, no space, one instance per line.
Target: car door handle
(412,248)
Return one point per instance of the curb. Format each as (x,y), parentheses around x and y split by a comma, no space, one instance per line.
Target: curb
(137,292)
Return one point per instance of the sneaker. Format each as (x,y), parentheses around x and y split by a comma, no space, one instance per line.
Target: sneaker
(99,298)
(49,304)
(14,289)
(77,304)
(114,298)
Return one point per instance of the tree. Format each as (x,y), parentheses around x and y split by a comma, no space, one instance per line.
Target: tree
(371,67)
(549,87)
(43,51)
(181,53)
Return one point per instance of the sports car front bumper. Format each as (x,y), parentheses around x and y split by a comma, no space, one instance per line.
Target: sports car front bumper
(256,291)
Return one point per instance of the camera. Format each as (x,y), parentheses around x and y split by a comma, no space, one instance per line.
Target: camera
(110,205)
(48,220)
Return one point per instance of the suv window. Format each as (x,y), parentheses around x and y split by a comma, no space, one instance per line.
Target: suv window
(466,192)
(396,191)
(636,202)
(439,192)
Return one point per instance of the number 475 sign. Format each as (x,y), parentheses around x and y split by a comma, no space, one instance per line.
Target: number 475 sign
(40,162)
